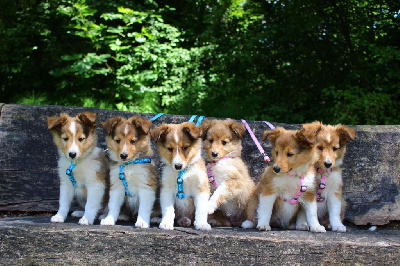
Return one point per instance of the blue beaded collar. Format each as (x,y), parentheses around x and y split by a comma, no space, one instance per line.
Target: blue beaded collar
(180,193)
(70,174)
(122,174)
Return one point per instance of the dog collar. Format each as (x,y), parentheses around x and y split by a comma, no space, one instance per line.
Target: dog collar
(180,193)
(211,178)
(70,174)
(322,184)
(122,173)
(303,188)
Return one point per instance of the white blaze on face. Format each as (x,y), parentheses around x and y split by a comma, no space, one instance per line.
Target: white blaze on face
(177,159)
(328,137)
(328,160)
(125,149)
(73,148)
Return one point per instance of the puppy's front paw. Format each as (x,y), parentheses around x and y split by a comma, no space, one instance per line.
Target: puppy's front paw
(264,227)
(202,226)
(107,221)
(167,225)
(340,228)
(302,227)
(247,224)
(124,217)
(155,220)
(77,214)
(184,222)
(318,229)
(83,221)
(211,208)
(57,219)
(140,223)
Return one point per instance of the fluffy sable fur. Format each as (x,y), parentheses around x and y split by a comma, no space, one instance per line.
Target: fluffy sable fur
(222,139)
(75,138)
(180,148)
(128,140)
(330,146)
(293,154)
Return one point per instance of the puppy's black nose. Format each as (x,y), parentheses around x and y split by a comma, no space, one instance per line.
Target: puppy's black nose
(214,154)
(327,164)
(277,169)
(178,166)
(72,155)
(123,156)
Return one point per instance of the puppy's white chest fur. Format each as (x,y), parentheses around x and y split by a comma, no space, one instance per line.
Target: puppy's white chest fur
(83,170)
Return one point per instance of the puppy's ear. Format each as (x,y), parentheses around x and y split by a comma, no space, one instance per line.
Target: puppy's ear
(55,123)
(160,132)
(345,134)
(110,125)
(191,130)
(143,125)
(205,126)
(313,128)
(272,135)
(237,128)
(305,138)
(88,119)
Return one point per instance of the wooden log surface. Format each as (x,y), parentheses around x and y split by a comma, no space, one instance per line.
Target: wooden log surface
(28,161)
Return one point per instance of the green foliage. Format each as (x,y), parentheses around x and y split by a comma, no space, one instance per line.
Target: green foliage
(284,61)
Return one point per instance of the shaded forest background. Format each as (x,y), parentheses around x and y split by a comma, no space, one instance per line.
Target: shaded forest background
(285,61)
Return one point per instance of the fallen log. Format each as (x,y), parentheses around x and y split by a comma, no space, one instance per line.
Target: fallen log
(28,162)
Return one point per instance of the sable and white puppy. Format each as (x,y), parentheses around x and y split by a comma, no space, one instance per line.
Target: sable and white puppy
(180,148)
(75,138)
(330,145)
(128,143)
(287,184)
(227,173)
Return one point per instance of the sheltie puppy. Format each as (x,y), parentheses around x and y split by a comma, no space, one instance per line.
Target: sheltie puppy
(133,175)
(227,173)
(184,184)
(287,184)
(330,145)
(82,167)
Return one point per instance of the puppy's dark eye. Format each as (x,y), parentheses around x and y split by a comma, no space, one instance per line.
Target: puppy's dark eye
(65,139)
(184,148)
(118,141)
(335,149)
(133,141)
(223,142)
(80,139)
(289,154)
(277,153)
(211,141)
(320,148)
(171,149)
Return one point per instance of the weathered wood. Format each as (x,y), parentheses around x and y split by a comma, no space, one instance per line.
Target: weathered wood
(28,160)
(36,241)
